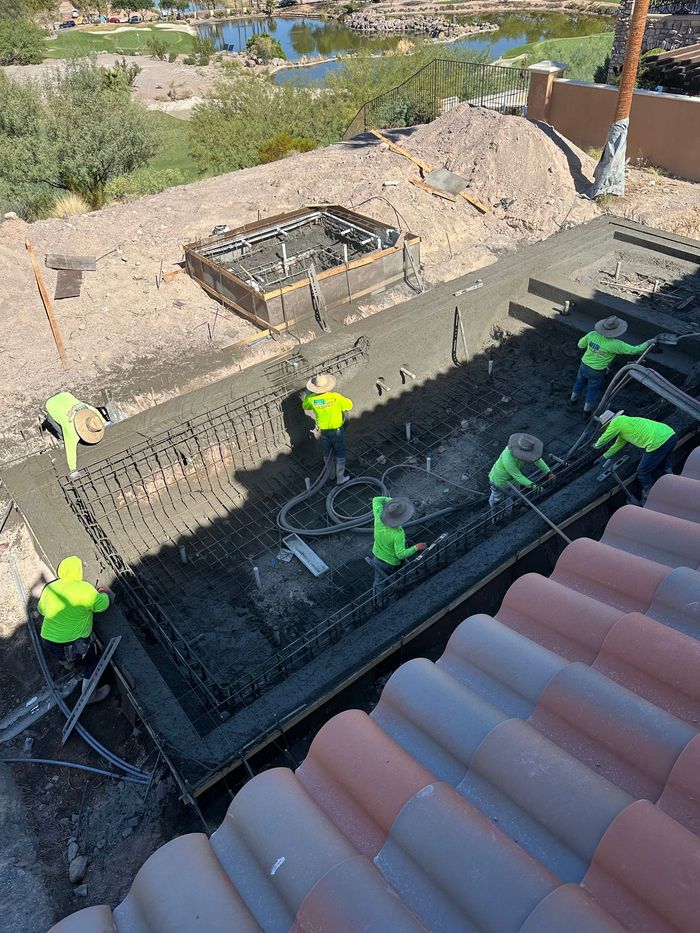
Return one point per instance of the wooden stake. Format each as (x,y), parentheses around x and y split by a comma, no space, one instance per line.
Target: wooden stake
(47,306)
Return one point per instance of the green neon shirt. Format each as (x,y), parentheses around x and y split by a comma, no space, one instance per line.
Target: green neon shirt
(62,409)
(328,408)
(389,543)
(508,468)
(601,351)
(642,432)
(68,604)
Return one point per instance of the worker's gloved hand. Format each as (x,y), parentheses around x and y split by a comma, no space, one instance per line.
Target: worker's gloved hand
(315,433)
(105,589)
(551,477)
(535,490)
(74,474)
(420,546)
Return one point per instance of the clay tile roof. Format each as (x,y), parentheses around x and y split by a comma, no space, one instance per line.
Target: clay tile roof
(543,775)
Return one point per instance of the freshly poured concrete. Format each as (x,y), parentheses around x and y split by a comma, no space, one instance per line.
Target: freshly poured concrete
(155,529)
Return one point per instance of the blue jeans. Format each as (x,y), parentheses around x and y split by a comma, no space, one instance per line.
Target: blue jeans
(593,379)
(661,457)
(382,573)
(83,654)
(333,442)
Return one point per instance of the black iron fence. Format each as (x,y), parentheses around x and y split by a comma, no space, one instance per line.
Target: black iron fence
(438,87)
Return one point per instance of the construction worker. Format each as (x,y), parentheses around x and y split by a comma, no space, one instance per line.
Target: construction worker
(67,606)
(601,346)
(389,549)
(655,438)
(329,410)
(74,421)
(521,449)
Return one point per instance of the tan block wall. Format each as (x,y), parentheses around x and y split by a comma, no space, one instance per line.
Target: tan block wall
(664,128)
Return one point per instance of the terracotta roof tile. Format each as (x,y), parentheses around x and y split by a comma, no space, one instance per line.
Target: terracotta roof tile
(558,618)
(676,602)
(630,741)
(570,909)
(656,662)
(434,718)
(645,872)
(692,465)
(674,495)
(622,580)
(457,871)
(664,539)
(360,778)
(681,796)
(90,920)
(503,667)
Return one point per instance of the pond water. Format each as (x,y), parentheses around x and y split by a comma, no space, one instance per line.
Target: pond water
(312,37)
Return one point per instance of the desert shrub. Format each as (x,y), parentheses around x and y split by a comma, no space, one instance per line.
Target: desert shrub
(139,184)
(203,49)
(120,75)
(172,57)
(67,205)
(283,145)
(21,42)
(157,47)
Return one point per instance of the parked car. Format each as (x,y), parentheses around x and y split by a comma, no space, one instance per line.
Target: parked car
(135,19)
(114,19)
(67,24)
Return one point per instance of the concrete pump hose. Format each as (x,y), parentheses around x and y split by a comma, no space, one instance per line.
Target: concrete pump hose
(359,524)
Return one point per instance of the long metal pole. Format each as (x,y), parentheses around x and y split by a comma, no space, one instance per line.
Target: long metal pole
(540,513)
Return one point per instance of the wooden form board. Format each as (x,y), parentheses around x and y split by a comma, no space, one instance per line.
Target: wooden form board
(75,263)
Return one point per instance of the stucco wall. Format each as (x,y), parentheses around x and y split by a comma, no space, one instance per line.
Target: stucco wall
(664,128)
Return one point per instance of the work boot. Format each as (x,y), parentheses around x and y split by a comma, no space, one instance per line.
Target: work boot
(645,493)
(340,476)
(573,399)
(98,695)
(588,408)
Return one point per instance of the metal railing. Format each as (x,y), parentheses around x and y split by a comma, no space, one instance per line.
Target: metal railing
(438,87)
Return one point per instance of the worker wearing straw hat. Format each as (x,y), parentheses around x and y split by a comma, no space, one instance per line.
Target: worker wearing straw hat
(74,421)
(329,409)
(389,549)
(655,438)
(521,449)
(602,346)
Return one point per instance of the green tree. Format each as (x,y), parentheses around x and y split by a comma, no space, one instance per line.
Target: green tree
(12,9)
(21,42)
(264,48)
(73,132)
(136,6)
(270,6)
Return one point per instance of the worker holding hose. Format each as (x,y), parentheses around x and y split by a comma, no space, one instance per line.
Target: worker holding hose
(601,346)
(655,438)
(329,409)
(521,449)
(389,549)
(67,605)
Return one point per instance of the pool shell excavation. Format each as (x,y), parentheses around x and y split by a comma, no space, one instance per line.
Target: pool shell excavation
(283,269)
(224,642)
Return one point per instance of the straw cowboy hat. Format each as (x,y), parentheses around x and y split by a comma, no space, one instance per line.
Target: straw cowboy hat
(611,326)
(88,425)
(397,512)
(525,447)
(608,416)
(323,382)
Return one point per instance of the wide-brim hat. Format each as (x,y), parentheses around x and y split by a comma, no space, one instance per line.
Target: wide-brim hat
(607,416)
(322,382)
(397,512)
(88,425)
(611,326)
(525,447)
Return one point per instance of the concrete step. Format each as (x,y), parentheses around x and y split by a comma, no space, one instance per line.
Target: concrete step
(531,309)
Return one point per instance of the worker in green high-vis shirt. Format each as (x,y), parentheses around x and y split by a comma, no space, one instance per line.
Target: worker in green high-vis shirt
(602,346)
(521,449)
(67,606)
(330,410)
(655,438)
(74,421)
(389,549)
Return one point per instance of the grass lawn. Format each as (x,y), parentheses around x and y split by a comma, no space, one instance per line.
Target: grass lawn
(582,54)
(173,153)
(134,39)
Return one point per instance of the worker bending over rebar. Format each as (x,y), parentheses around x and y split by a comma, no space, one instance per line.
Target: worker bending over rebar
(329,409)
(601,346)
(389,549)
(655,438)
(67,605)
(521,449)
(74,421)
